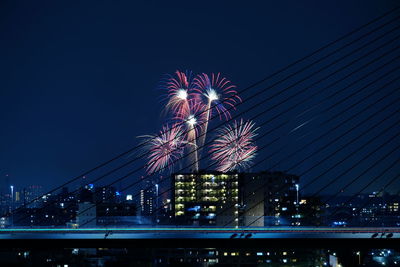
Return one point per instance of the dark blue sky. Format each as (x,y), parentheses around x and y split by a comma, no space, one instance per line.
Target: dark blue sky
(78,79)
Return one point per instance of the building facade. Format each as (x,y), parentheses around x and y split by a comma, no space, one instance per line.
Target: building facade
(148,197)
(236,199)
(198,198)
(269,198)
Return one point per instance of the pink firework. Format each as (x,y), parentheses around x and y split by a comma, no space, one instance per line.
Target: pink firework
(164,149)
(234,148)
(195,115)
(180,91)
(220,95)
(193,121)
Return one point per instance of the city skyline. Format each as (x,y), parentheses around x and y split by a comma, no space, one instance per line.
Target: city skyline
(65,153)
(200,134)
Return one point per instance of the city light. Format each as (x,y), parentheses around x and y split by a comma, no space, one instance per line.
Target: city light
(12,193)
(176,167)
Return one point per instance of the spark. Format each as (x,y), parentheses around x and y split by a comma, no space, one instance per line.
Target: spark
(191,120)
(211,95)
(182,94)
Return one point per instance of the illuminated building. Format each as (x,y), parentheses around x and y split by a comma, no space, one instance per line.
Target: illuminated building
(198,198)
(17,196)
(236,199)
(148,198)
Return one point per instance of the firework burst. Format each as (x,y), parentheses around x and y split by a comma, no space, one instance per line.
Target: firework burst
(190,106)
(234,148)
(195,115)
(218,92)
(164,149)
(180,91)
(194,121)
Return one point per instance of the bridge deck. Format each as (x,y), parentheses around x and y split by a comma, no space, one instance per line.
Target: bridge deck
(285,236)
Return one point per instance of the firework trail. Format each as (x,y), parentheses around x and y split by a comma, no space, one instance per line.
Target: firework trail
(217,92)
(180,90)
(234,148)
(193,120)
(165,148)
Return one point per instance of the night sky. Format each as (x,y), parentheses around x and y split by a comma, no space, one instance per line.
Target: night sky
(79,79)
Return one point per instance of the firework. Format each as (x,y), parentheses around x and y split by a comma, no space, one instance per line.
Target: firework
(193,122)
(191,104)
(217,92)
(164,149)
(179,87)
(234,148)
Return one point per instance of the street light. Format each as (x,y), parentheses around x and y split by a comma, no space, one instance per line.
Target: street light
(12,193)
(11,204)
(297,204)
(359,257)
(156,210)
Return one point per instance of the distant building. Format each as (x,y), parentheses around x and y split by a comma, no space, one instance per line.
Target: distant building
(373,209)
(86,215)
(268,198)
(241,256)
(311,211)
(33,193)
(148,198)
(116,214)
(105,194)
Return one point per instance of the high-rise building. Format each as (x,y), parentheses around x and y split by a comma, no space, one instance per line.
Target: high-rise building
(148,197)
(269,198)
(198,198)
(105,194)
(32,194)
(236,199)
